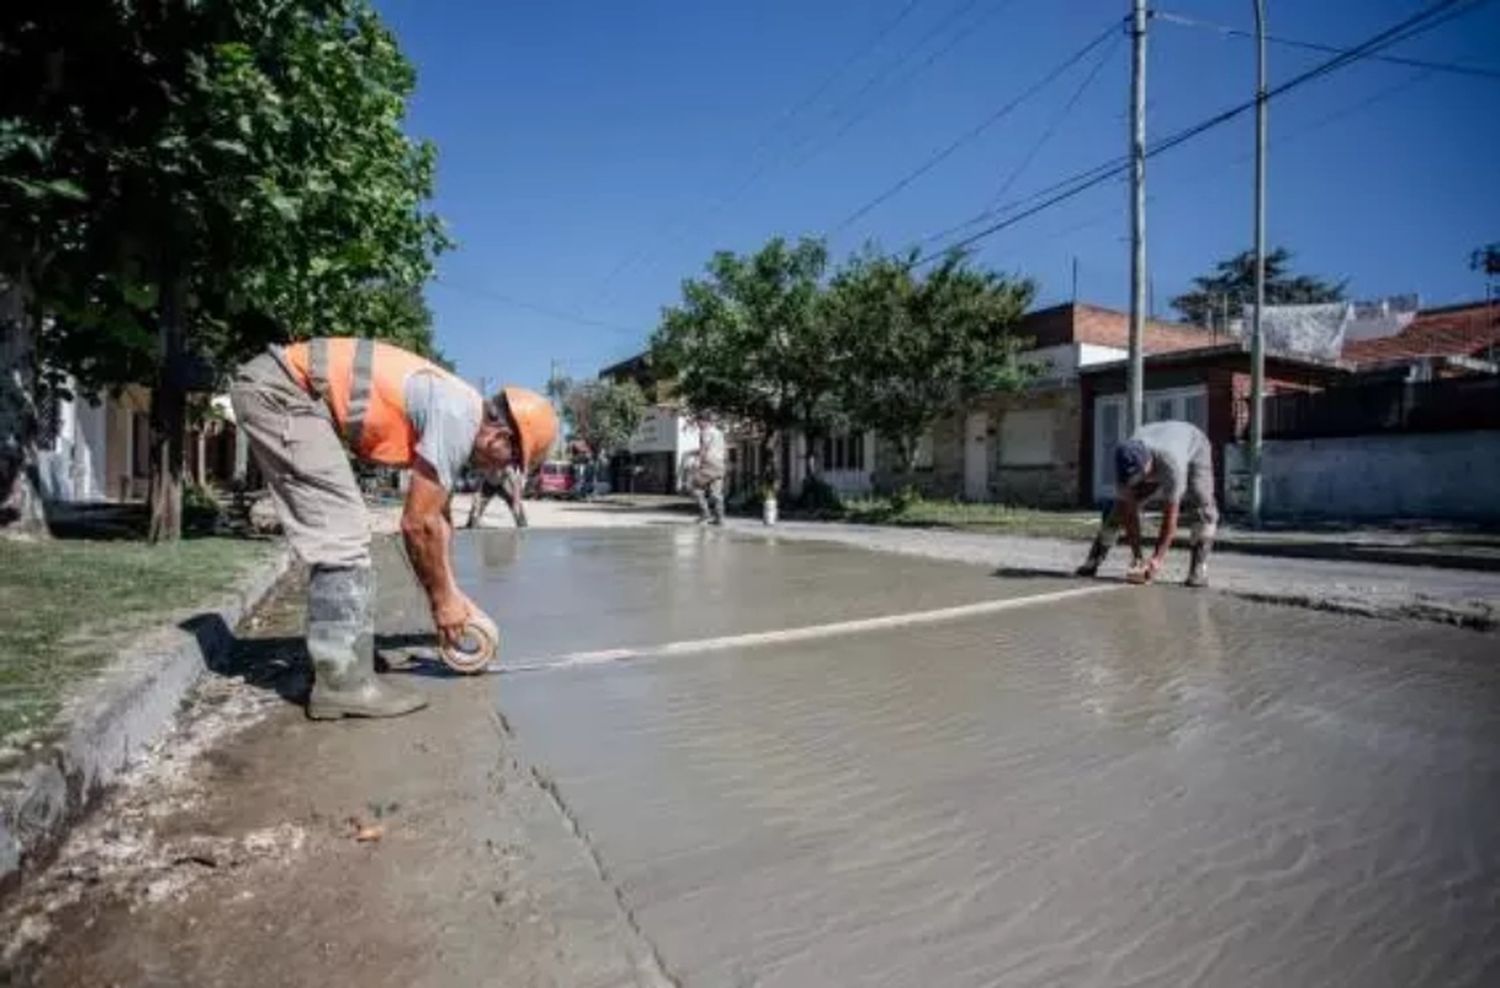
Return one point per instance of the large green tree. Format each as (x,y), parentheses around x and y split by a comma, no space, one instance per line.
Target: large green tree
(913,346)
(603,414)
(1231,287)
(218,174)
(748,342)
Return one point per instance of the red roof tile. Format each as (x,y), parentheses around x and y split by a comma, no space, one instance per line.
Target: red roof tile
(1457,331)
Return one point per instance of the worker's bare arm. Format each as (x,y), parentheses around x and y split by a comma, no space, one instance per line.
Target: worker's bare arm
(1169,515)
(428,534)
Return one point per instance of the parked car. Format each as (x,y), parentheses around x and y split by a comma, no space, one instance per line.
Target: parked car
(554,479)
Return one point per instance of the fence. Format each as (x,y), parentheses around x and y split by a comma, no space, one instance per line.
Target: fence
(1439,406)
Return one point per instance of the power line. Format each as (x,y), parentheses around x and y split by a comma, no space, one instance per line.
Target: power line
(859,115)
(544,310)
(780,124)
(1075,185)
(973,132)
(1317,126)
(1477,71)
(849,108)
(1057,120)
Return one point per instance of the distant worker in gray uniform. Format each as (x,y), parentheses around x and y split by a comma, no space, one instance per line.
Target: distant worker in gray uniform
(510,485)
(707,477)
(1171,462)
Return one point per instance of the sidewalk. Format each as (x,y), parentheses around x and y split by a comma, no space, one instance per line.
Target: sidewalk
(258,847)
(1419,574)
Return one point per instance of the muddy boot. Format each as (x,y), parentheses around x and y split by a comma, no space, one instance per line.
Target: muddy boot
(1097,552)
(1198,567)
(341,642)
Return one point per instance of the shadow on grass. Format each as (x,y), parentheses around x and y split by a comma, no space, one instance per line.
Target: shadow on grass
(123,522)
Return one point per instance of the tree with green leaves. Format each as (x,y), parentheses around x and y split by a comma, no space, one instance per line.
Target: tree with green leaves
(602,414)
(217,176)
(913,347)
(748,343)
(1486,259)
(1231,288)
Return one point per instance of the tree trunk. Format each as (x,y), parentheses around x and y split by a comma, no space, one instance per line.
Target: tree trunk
(168,416)
(21,509)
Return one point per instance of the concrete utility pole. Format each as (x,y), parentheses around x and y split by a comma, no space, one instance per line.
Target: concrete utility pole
(1257,339)
(1134,405)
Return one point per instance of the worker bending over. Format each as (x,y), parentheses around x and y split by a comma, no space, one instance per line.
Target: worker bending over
(301,406)
(510,485)
(1170,462)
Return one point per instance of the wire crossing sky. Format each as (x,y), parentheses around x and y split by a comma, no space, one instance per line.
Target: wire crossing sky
(592,155)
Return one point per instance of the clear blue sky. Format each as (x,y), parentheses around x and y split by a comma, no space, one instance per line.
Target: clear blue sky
(593,154)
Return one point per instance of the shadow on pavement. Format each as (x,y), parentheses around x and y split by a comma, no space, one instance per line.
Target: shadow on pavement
(280,664)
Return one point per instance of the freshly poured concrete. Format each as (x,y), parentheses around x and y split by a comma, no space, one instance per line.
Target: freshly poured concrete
(553,591)
(1144,787)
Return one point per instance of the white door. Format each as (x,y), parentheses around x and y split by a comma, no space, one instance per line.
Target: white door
(977,456)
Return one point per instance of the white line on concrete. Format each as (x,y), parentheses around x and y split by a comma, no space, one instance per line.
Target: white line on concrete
(787,635)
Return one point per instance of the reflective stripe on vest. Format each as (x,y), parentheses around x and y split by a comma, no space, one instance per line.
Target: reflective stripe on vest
(362,382)
(359,392)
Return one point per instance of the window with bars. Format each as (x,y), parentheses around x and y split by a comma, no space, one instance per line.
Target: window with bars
(844,452)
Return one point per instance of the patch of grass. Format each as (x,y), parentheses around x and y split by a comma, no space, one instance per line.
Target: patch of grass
(997,519)
(66,605)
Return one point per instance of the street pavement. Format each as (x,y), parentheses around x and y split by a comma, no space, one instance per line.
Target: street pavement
(724,759)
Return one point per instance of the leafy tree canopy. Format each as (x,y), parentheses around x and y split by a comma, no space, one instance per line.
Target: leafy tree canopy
(1232,286)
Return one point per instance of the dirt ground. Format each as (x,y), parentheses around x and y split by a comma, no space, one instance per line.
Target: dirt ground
(259,848)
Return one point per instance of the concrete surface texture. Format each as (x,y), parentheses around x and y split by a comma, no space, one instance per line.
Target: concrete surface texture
(1142,786)
(1420,475)
(1468,597)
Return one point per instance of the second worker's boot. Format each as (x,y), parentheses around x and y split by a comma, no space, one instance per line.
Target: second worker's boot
(1097,552)
(341,643)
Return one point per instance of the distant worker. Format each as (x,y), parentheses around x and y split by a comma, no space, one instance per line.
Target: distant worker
(510,485)
(1170,462)
(707,472)
(301,405)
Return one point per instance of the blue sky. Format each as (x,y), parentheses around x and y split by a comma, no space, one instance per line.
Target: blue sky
(593,153)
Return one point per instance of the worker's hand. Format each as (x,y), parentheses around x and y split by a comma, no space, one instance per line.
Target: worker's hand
(1143,572)
(449,614)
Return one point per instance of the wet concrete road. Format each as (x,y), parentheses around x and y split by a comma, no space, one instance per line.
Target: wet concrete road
(1142,787)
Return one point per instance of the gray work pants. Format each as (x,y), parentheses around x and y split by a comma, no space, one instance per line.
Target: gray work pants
(305,465)
(709,491)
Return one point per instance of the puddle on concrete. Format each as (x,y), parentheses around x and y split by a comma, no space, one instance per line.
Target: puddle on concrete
(1149,787)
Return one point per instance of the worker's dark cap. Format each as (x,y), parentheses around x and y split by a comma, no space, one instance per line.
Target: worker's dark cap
(1131,458)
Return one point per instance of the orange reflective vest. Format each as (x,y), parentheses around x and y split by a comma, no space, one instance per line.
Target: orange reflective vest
(364,384)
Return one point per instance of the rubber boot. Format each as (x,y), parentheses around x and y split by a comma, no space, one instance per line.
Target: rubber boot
(341,642)
(1097,552)
(1198,567)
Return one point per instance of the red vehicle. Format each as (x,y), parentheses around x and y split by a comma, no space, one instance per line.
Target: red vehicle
(554,479)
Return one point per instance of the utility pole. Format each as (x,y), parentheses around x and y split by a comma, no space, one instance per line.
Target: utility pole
(1133,407)
(1257,339)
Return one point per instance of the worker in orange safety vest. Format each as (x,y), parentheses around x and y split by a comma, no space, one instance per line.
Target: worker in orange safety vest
(305,408)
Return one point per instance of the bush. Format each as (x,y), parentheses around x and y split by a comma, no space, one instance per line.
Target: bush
(819,498)
(202,511)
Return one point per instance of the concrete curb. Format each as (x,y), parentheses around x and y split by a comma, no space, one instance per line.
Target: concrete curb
(112,719)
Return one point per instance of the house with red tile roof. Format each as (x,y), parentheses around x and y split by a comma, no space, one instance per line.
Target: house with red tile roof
(1451,341)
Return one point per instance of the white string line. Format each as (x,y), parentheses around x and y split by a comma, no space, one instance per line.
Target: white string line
(758,638)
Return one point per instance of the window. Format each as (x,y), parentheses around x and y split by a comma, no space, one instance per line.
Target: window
(1195,410)
(844,452)
(1026,438)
